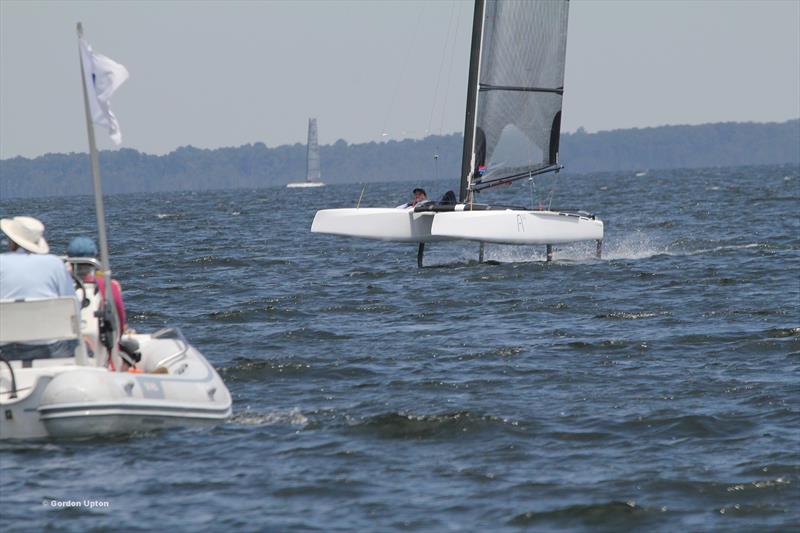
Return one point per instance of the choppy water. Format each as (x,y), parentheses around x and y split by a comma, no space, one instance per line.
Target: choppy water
(657,388)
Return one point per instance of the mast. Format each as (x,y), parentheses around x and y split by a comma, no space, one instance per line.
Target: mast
(472,100)
(108,309)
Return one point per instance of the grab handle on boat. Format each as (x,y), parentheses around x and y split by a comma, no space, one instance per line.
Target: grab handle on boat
(178,337)
(13,378)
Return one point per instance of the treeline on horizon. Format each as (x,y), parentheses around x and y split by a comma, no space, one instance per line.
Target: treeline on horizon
(255,165)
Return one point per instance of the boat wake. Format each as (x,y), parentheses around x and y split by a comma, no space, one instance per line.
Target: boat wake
(293,417)
(636,246)
(632,247)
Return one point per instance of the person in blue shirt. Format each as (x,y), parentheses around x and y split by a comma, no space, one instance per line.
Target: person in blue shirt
(28,271)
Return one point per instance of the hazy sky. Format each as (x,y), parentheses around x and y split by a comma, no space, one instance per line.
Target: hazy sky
(213,74)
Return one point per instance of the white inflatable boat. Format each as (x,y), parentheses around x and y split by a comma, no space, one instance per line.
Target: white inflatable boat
(79,395)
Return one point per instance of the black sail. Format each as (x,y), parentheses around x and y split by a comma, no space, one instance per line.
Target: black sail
(520,87)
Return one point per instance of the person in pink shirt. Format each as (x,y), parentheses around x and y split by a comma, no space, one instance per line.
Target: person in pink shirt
(84,247)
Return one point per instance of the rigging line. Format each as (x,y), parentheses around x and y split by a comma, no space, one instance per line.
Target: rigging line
(552,191)
(441,67)
(527,115)
(358,204)
(533,189)
(402,72)
(450,67)
(482,185)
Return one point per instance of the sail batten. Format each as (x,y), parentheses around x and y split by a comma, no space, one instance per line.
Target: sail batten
(485,87)
(519,90)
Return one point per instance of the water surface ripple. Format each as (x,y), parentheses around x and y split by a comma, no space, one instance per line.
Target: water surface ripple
(654,389)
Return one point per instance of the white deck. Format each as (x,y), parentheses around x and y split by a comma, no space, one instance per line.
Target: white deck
(500,226)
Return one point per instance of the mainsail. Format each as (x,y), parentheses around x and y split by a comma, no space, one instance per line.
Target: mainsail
(312,154)
(516,98)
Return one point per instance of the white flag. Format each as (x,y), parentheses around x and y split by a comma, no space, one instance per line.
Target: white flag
(103,76)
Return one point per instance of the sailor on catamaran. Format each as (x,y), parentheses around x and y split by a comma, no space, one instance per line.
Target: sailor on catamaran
(418,196)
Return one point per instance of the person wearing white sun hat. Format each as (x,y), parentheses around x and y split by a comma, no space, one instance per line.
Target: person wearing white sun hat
(27,271)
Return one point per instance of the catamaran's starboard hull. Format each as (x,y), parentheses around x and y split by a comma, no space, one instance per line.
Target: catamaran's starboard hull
(380,223)
(516,227)
(305,184)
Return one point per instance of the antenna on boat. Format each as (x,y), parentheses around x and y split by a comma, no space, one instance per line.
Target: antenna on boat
(108,316)
(358,204)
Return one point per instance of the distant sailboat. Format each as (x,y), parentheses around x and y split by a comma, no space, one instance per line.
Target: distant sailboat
(313,173)
(512,131)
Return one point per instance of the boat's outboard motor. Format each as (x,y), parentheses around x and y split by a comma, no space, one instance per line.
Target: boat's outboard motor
(131,349)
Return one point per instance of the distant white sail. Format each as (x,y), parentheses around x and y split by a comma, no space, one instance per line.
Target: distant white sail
(312,153)
(313,173)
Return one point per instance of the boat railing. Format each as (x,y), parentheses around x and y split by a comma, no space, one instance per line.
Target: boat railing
(176,335)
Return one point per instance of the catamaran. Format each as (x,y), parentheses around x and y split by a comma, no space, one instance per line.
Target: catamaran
(511,132)
(313,173)
(156,380)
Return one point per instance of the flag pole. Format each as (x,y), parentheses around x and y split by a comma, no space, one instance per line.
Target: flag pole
(108,310)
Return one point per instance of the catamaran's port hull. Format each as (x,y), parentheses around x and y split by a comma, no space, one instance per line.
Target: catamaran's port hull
(379,223)
(517,227)
(505,226)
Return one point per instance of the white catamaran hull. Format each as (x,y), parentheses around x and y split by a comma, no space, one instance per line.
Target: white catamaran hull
(491,226)
(516,227)
(305,184)
(380,223)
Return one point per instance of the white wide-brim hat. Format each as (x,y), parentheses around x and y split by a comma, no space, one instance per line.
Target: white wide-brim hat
(27,232)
